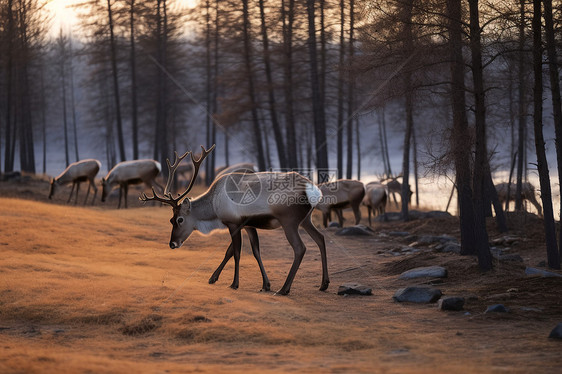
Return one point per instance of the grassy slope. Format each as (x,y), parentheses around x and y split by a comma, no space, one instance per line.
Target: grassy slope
(85,289)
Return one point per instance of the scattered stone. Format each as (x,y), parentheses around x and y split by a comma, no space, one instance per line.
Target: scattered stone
(430,239)
(542,264)
(437,214)
(497,308)
(354,289)
(417,294)
(389,216)
(452,248)
(427,271)
(556,332)
(399,233)
(451,303)
(334,224)
(529,309)
(542,273)
(358,230)
(499,255)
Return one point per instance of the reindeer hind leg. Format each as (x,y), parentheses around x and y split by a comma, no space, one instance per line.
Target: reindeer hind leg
(317,236)
(255,243)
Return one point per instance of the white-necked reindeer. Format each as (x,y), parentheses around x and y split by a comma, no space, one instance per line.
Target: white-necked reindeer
(265,200)
(75,173)
(130,172)
(338,195)
(375,199)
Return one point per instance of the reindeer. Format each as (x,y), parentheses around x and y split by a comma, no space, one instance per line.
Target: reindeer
(130,172)
(375,199)
(394,187)
(343,193)
(527,193)
(266,200)
(77,172)
(236,168)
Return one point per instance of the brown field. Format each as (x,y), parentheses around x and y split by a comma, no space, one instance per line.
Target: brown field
(98,290)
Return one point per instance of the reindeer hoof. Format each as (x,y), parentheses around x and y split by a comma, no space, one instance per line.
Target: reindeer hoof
(324,286)
(213,279)
(281,293)
(265,288)
(234,286)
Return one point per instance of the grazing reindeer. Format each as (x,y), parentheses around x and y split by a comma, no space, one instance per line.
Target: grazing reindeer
(343,193)
(236,168)
(265,200)
(375,199)
(527,193)
(77,172)
(394,187)
(130,172)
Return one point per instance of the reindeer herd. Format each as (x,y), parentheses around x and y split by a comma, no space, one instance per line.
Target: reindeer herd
(241,198)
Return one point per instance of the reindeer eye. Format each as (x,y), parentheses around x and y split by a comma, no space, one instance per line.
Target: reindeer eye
(179,220)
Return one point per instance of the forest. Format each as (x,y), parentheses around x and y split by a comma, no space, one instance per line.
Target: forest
(448,87)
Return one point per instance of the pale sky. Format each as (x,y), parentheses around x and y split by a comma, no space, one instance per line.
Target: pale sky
(65,17)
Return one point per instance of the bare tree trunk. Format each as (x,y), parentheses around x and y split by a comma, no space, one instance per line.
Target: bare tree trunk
(209,169)
(72,100)
(340,123)
(556,105)
(350,91)
(116,96)
(415,161)
(542,163)
(481,152)
(317,104)
(288,20)
(278,135)
(44,120)
(358,145)
(62,71)
(251,89)
(521,151)
(133,64)
(461,152)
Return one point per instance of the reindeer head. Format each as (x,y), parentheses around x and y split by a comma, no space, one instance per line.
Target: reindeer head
(52,189)
(106,189)
(183,222)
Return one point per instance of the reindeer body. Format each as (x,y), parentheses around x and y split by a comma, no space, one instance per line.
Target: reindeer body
(75,173)
(527,193)
(375,199)
(130,172)
(338,195)
(243,167)
(257,200)
(394,187)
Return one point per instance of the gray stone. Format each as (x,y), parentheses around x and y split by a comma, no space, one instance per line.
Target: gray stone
(399,233)
(334,224)
(354,289)
(427,271)
(417,294)
(451,303)
(451,248)
(497,308)
(541,272)
(556,332)
(358,230)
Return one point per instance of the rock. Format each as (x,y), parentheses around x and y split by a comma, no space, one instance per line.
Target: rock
(427,271)
(542,273)
(354,289)
(451,303)
(417,294)
(451,247)
(437,214)
(358,230)
(399,233)
(334,224)
(389,216)
(556,332)
(497,308)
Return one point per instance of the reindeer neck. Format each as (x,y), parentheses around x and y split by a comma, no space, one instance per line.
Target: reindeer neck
(202,207)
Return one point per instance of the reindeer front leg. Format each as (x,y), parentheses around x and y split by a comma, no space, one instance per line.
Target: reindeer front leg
(71,191)
(227,256)
(254,241)
(236,248)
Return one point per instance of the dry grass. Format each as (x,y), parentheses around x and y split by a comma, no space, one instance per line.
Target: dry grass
(98,290)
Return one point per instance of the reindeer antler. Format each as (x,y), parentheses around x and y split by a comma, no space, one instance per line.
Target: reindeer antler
(168,198)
